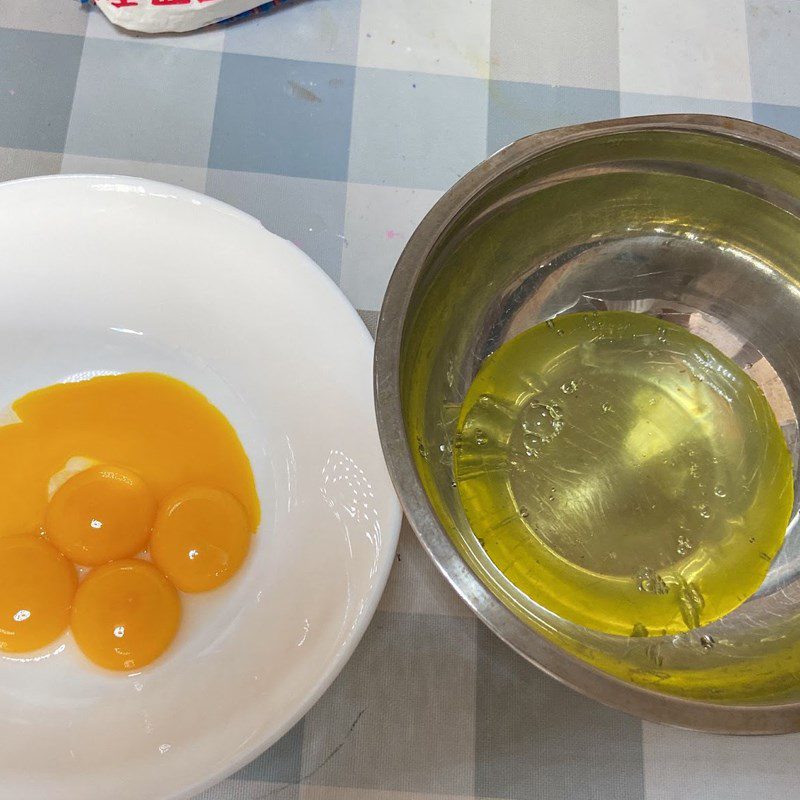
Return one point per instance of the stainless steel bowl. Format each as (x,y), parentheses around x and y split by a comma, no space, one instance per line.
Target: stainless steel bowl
(692,218)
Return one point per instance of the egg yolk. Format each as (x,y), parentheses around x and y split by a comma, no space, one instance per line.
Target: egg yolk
(200,538)
(125,614)
(37,586)
(137,438)
(160,428)
(100,514)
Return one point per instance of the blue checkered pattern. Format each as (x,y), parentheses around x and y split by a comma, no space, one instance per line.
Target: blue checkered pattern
(339,123)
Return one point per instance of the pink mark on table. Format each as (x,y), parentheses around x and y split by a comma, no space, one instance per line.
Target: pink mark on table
(390,234)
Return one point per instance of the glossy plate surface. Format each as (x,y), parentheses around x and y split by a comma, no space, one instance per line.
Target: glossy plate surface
(102,275)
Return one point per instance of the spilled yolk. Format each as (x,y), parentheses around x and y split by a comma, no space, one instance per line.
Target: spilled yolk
(37,585)
(101,514)
(158,427)
(150,448)
(200,538)
(125,614)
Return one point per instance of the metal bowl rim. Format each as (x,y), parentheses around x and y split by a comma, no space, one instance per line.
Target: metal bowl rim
(556,662)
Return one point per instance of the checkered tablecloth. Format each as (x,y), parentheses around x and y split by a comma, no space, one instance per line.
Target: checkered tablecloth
(339,123)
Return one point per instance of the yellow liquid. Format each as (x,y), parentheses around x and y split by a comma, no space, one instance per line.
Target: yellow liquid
(623,473)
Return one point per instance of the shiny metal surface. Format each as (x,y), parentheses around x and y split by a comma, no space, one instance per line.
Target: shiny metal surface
(695,219)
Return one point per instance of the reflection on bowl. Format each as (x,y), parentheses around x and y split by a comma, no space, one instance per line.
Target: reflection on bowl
(693,219)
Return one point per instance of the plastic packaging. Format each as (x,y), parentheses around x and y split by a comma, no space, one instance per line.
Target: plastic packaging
(162,16)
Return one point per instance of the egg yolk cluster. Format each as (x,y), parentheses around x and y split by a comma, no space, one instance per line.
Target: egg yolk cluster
(162,501)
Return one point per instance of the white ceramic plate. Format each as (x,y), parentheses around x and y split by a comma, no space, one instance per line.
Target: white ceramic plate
(105,274)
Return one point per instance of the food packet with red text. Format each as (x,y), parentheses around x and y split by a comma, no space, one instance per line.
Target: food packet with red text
(161,16)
